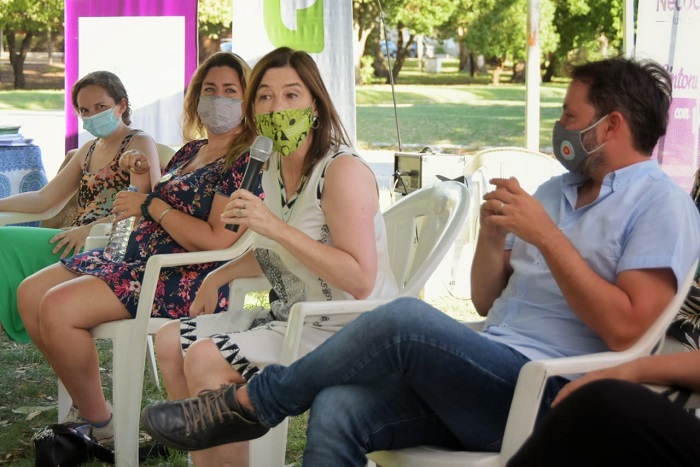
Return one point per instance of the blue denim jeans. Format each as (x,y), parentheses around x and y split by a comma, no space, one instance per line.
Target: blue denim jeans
(402,375)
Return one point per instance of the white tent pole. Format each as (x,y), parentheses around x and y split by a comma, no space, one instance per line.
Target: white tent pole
(628,28)
(532,77)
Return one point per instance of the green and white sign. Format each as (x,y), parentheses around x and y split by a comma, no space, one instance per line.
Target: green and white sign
(323,28)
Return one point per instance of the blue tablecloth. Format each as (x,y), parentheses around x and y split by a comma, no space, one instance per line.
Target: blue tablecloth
(21,169)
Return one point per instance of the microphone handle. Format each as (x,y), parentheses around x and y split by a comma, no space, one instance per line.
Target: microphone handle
(250,175)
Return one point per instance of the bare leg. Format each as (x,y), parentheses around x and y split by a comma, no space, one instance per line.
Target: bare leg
(66,314)
(171,361)
(206,368)
(30,293)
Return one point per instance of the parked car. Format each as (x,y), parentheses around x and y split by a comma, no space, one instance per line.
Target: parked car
(226,45)
(389,48)
(393,49)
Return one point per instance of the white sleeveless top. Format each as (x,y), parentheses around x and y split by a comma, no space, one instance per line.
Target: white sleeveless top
(291,281)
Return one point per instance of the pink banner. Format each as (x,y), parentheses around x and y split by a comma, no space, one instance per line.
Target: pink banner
(76,9)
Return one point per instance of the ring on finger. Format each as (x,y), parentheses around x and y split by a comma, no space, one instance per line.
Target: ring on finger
(245,204)
(239,213)
(500,208)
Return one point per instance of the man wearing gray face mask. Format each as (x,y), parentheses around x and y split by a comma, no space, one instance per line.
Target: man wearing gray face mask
(585,265)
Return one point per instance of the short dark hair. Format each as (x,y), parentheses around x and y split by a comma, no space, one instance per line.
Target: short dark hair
(639,89)
(110,83)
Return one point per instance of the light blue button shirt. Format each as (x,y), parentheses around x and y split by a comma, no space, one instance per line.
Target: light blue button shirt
(641,219)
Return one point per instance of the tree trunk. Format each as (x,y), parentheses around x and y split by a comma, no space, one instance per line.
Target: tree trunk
(497,70)
(17,57)
(49,45)
(518,75)
(380,65)
(361,37)
(550,68)
(473,66)
(465,58)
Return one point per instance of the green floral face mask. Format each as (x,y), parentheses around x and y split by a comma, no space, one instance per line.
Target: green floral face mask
(286,128)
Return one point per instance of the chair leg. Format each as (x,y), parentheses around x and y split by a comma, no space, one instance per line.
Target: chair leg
(152,366)
(64,401)
(127,391)
(270,450)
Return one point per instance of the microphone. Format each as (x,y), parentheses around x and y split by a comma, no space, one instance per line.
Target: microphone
(260,152)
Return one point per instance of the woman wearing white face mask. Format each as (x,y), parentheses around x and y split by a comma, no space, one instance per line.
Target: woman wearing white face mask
(97,172)
(183,213)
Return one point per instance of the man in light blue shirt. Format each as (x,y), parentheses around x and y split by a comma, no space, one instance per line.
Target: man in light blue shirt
(586,264)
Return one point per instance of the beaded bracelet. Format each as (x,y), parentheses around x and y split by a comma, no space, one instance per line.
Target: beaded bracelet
(146,203)
(160,219)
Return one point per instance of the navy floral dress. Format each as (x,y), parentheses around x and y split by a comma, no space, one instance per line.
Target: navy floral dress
(191,193)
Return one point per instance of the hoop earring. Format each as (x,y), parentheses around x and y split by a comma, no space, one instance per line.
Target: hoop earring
(316,123)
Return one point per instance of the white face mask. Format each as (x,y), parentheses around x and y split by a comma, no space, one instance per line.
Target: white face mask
(220,114)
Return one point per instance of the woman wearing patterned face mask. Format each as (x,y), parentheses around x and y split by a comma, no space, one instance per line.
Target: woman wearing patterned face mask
(183,213)
(320,236)
(119,156)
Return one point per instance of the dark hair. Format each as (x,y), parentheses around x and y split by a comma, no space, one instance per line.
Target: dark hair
(639,90)
(329,133)
(110,83)
(192,125)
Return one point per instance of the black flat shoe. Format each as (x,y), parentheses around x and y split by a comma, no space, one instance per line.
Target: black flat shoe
(210,419)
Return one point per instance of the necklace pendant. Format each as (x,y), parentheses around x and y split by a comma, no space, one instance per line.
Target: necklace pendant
(166,177)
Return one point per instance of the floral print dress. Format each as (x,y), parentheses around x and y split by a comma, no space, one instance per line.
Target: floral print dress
(98,189)
(191,193)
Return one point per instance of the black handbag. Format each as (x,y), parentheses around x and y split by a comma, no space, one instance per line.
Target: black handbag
(68,445)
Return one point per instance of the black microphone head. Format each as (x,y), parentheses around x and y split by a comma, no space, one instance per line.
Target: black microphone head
(261,149)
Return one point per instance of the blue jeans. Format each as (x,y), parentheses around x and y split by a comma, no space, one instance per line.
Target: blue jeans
(402,375)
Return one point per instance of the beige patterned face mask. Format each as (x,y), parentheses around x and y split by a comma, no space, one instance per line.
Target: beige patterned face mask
(286,128)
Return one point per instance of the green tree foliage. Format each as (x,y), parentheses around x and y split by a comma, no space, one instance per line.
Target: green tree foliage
(497,29)
(22,21)
(417,17)
(570,30)
(585,29)
(215,18)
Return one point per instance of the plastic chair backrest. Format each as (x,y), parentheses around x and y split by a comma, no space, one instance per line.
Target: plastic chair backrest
(165,153)
(531,168)
(417,224)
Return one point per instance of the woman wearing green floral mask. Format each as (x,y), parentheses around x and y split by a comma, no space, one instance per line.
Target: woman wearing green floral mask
(320,236)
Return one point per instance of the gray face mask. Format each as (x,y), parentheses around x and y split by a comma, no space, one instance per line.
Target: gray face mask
(568,145)
(220,114)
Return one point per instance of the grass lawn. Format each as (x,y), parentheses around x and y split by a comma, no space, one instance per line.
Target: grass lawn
(32,100)
(459,118)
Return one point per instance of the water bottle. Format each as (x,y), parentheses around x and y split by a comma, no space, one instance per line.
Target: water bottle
(119,237)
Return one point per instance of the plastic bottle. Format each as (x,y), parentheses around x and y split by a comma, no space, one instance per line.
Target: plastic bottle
(119,237)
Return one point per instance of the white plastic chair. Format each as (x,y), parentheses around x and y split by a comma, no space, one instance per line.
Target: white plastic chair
(531,168)
(129,341)
(528,396)
(421,228)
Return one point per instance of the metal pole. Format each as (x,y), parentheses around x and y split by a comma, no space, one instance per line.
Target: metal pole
(628,28)
(532,77)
